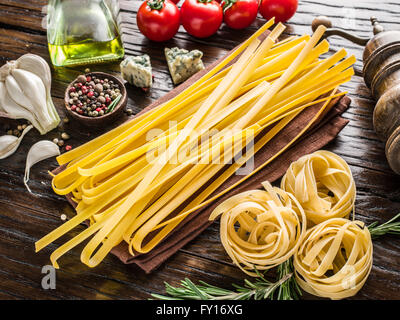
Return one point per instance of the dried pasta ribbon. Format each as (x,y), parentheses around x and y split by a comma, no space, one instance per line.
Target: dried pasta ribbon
(323,184)
(335,259)
(127,197)
(261,229)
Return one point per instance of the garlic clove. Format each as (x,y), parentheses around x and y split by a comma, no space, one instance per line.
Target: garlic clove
(15,111)
(52,110)
(36,65)
(39,151)
(9,144)
(33,88)
(16,93)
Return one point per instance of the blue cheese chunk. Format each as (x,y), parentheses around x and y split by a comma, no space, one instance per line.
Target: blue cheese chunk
(182,63)
(137,71)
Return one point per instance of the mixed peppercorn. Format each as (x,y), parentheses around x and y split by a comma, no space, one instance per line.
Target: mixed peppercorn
(93,97)
(60,141)
(17,131)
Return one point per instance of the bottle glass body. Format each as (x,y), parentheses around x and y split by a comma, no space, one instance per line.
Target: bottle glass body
(82,32)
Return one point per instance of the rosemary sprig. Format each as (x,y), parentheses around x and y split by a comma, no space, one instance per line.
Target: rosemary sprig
(113,104)
(389,227)
(289,290)
(260,289)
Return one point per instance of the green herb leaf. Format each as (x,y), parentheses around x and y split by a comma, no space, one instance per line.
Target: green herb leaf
(289,290)
(389,227)
(260,289)
(112,105)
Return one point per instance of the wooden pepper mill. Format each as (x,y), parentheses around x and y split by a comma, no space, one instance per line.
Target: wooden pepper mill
(381,73)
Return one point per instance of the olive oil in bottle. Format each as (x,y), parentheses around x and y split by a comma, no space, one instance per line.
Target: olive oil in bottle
(82,32)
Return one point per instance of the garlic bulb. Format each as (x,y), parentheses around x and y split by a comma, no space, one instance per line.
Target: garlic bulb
(39,151)
(25,92)
(39,67)
(9,144)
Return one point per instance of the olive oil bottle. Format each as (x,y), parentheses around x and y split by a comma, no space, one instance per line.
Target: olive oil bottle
(81,32)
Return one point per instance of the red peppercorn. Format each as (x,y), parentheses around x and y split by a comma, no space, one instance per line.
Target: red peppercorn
(84,90)
(101,81)
(88,78)
(90,94)
(80,111)
(108,100)
(98,109)
(103,106)
(68,147)
(73,107)
(72,89)
(79,85)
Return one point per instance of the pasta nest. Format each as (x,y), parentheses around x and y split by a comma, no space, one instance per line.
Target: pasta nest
(261,229)
(323,184)
(335,259)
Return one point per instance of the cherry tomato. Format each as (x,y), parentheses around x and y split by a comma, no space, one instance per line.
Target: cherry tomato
(282,10)
(239,14)
(158,20)
(201,18)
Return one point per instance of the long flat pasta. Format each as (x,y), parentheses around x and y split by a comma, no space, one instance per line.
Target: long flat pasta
(126,196)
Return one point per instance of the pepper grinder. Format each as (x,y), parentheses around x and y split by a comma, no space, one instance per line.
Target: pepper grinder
(381,74)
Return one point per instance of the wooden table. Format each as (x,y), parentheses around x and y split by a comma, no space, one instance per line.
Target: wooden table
(25,217)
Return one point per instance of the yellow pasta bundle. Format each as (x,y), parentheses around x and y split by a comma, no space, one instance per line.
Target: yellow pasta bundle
(260,229)
(335,259)
(323,184)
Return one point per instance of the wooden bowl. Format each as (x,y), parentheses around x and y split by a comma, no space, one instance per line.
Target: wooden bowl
(106,118)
